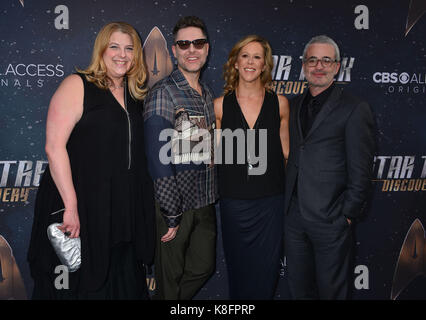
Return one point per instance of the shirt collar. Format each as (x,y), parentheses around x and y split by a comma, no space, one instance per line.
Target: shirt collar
(323,96)
(181,81)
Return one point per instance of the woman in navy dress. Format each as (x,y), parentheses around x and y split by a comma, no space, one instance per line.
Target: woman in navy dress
(252,190)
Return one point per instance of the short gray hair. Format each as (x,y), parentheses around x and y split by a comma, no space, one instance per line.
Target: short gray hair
(323,39)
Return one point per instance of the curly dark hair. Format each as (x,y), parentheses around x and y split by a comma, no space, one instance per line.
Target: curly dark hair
(189,21)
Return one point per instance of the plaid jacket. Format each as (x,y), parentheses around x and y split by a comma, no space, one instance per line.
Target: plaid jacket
(187,180)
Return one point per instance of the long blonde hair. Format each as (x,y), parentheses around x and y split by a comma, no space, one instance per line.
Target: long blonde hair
(230,74)
(96,72)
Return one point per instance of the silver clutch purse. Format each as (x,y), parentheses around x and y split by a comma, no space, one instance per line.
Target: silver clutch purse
(67,249)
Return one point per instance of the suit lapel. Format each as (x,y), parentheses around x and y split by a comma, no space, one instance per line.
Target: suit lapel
(330,104)
(299,107)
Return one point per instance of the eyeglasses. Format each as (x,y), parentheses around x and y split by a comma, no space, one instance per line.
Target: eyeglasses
(325,61)
(198,43)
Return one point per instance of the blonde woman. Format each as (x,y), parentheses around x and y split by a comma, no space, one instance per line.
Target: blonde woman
(252,191)
(96,182)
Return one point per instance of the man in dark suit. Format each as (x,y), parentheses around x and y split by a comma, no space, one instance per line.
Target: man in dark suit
(328,177)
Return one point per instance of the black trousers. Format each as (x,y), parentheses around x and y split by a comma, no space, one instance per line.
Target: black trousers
(318,256)
(184,264)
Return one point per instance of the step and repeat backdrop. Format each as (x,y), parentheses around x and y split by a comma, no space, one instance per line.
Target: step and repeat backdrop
(382,46)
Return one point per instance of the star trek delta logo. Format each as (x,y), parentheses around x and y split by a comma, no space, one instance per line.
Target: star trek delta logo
(412,259)
(416,10)
(157,57)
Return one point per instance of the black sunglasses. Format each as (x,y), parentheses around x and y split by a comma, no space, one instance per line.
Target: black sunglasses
(198,43)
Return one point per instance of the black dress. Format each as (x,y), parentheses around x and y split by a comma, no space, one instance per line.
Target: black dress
(252,206)
(115,204)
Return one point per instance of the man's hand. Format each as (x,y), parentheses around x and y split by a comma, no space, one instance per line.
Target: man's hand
(170,235)
(349,221)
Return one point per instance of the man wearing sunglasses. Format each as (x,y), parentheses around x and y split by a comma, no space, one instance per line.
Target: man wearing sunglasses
(186,186)
(328,177)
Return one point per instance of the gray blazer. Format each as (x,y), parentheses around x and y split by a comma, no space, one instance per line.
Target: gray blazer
(333,163)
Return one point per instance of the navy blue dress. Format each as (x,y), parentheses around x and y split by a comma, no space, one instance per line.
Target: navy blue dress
(252,206)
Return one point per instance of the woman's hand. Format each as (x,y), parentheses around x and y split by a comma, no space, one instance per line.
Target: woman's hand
(65,110)
(71,223)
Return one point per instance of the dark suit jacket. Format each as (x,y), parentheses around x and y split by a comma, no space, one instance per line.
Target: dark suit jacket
(333,163)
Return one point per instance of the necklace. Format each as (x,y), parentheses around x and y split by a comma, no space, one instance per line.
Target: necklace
(246,128)
(113,87)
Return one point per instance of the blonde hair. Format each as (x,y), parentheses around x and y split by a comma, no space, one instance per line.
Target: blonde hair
(96,72)
(230,74)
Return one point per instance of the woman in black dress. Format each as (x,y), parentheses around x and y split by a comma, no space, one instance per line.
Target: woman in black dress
(97,176)
(252,190)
